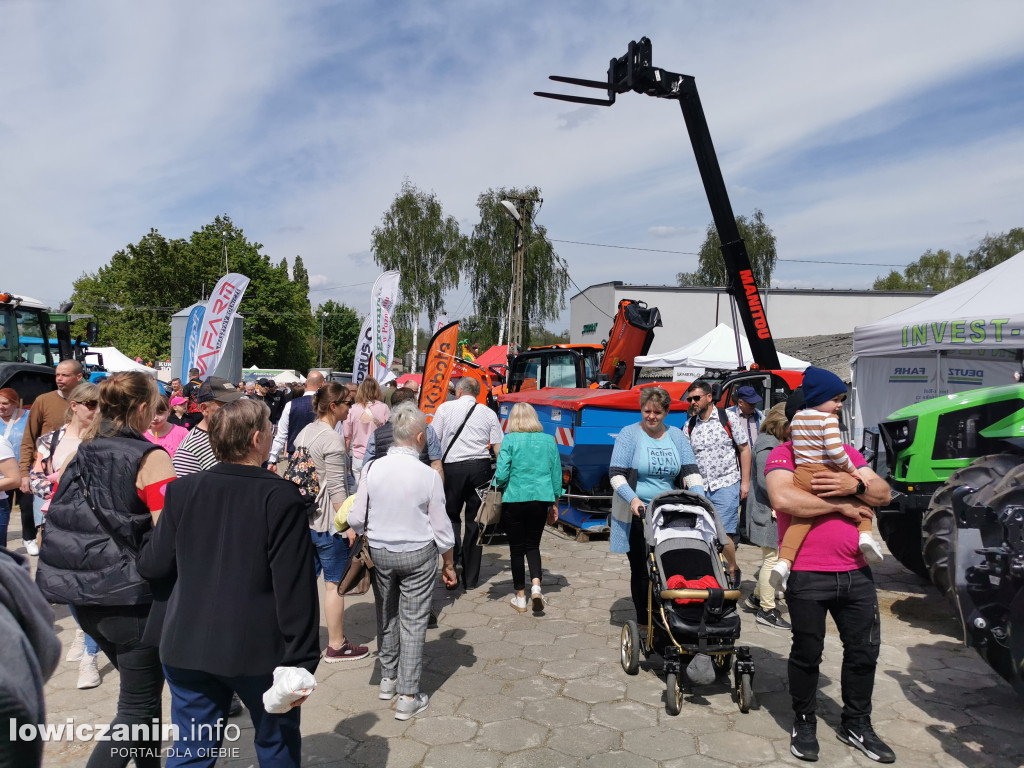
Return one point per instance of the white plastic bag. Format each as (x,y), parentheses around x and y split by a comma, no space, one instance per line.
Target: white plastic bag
(290,685)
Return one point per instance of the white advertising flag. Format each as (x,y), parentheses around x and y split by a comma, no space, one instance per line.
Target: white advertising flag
(216,325)
(364,352)
(383,299)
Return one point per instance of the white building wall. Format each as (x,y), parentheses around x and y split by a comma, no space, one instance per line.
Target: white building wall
(689,313)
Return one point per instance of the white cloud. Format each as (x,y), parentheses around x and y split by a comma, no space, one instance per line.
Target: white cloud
(302,121)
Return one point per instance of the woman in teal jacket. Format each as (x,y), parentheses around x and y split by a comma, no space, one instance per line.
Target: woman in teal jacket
(530,474)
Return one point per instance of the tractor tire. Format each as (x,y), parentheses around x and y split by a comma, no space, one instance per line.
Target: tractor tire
(902,535)
(938,526)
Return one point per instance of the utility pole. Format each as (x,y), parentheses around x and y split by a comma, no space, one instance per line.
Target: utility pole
(515,325)
(323,316)
(224,242)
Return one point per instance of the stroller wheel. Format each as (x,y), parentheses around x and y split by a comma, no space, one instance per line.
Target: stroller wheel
(629,651)
(723,664)
(673,694)
(745,693)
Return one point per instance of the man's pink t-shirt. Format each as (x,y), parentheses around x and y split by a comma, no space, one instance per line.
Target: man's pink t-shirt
(832,543)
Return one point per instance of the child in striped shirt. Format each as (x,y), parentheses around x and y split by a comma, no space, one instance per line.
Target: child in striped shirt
(818,446)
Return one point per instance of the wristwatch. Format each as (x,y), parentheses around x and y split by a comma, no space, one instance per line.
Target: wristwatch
(861,488)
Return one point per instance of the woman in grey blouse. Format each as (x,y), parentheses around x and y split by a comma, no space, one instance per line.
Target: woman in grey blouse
(400,508)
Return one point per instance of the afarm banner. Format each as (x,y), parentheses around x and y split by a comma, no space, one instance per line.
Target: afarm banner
(192,329)
(364,352)
(437,371)
(216,323)
(383,299)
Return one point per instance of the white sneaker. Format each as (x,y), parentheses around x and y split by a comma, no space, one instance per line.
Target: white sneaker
(88,674)
(410,706)
(538,599)
(31,547)
(77,649)
(388,687)
(779,575)
(870,549)
(519,603)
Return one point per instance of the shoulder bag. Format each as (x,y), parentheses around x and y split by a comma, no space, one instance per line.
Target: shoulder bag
(358,571)
(458,432)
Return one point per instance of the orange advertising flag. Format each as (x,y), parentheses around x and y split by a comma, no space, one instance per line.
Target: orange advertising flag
(437,371)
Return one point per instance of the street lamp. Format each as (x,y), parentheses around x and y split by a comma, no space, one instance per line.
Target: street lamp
(515,311)
(323,317)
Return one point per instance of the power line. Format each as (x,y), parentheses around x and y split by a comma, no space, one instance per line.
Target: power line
(691,253)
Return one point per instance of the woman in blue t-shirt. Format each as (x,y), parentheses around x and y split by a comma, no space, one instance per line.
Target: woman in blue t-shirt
(649,458)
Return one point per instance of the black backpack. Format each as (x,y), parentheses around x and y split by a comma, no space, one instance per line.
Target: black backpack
(722,417)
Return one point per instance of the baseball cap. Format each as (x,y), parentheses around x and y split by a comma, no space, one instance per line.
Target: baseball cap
(178,400)
(216,388)
(748,395)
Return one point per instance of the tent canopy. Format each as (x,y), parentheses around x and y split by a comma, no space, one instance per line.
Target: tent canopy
(984,312)
(116,362)
(496,355)
(715,349)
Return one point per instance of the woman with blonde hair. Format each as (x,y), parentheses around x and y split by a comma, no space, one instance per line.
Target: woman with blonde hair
(762,530)
(98,520)
(368,413)
(530,474)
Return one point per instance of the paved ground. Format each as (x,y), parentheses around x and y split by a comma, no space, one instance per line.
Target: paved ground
(513,690)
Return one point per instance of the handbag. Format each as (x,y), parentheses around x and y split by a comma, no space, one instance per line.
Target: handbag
(358,571)
(490,506)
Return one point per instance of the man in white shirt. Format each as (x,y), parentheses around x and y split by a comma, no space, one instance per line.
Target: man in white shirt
(467,431)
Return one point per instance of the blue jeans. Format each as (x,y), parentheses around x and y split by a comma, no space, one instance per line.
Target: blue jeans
(331,552)
(5,519)
(199,708)
(91,646)
(727,504)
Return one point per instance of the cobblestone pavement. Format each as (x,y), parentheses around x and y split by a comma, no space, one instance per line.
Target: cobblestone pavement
(523,690)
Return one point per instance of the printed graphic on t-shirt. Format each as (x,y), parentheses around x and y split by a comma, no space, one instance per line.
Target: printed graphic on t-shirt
(662,462)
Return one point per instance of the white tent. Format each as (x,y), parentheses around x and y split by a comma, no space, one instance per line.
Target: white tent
(115,361)
(964,338)
(715,349)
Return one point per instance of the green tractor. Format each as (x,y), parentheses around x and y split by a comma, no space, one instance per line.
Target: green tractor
(956,468)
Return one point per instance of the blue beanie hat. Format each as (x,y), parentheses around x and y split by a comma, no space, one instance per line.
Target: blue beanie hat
(820,386)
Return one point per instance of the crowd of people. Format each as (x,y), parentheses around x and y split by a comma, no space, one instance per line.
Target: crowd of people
(162,514)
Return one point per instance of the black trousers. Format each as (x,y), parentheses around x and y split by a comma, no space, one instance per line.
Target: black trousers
(851,599)
(524,525)
(26,503)
(639,575)
(461,479)
(118,630)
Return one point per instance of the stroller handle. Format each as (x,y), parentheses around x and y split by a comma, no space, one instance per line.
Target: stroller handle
(696,594)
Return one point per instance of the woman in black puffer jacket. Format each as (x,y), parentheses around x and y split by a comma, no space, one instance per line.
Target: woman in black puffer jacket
(100,516)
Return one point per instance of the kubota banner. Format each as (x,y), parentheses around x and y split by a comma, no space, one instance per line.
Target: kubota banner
(383,298)
(216,323)
(437,371)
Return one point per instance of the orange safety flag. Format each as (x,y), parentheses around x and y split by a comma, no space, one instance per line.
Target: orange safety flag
(437,371)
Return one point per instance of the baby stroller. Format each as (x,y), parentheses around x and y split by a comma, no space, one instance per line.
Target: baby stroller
(684,538)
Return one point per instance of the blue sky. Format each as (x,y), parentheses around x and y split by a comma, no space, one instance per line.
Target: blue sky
(866,132)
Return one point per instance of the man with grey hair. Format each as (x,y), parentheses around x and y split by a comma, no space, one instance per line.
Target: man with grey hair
(468,431)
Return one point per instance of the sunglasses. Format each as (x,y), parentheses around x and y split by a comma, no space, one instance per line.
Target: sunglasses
(344,402)
(695,398)
(90,404)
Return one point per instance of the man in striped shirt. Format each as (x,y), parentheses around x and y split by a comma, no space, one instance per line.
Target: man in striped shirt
(195,454)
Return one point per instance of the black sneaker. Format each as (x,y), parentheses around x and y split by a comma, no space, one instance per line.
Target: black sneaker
(864,738)
(236,707)
(752,603)
(803,740)
(773,618)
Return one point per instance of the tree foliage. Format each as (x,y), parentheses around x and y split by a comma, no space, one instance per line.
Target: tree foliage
(134,296)
(489,264)
(341,334)
(417,239)
(942,270)
(760,242)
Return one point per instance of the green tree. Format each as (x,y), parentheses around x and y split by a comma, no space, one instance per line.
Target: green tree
(417,239)
(942,270)
(489,264)
(341,326)
(760,242)
(134,295)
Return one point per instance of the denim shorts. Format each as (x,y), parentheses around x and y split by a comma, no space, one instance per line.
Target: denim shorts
(331,554)
(727,503)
